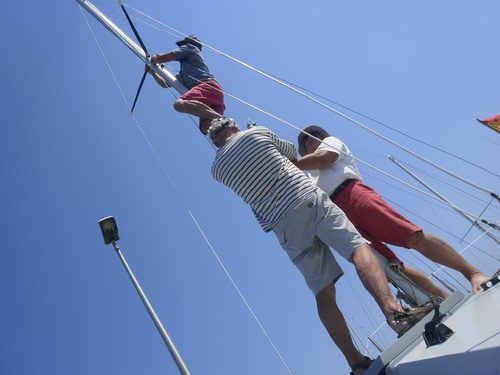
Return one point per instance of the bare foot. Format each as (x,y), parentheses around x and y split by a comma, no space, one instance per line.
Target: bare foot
(476,280)
(394,320)
(398,326)
(402,321)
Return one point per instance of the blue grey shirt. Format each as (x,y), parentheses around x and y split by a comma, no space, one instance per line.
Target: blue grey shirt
(193,67)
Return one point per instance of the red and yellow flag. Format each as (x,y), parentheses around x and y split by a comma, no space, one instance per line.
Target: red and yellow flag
(492,122)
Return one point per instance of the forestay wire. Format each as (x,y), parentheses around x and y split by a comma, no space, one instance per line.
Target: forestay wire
(185,204)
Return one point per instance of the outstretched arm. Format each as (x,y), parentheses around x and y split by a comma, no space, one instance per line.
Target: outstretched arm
(163,58)
(158,59)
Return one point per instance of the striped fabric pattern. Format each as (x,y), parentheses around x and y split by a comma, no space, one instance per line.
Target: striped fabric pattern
(256,165)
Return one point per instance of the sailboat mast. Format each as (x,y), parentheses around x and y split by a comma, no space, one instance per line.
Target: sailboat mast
(133,46)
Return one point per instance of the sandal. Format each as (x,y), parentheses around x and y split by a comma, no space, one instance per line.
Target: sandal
(364,364)
(410,316)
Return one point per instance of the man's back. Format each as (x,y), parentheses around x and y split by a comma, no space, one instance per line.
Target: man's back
(256,165)
(193,67)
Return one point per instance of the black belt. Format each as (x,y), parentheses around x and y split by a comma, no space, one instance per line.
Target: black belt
(341,188)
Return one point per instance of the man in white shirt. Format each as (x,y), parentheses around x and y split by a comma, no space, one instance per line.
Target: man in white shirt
(331,167)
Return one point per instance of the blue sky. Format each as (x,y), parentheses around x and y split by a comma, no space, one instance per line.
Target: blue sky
(72,154)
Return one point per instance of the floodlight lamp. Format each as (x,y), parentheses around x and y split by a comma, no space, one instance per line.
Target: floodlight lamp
(109,229)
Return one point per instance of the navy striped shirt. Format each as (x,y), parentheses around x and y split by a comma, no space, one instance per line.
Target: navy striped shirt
(256,165)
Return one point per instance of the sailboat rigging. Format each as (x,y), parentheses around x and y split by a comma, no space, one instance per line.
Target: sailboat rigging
(138,51)
(142,53)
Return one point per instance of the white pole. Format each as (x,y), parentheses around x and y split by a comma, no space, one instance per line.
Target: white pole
(166,338)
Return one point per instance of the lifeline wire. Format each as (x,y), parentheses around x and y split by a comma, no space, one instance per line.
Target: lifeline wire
(387,126)
(187,208)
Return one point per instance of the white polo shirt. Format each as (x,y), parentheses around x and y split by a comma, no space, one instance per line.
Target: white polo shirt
(343,168)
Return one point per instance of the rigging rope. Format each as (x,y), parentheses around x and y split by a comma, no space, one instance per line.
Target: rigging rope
(335,111)
(187,208)
(324,105)
(387,126)
(458,209)
(295,127)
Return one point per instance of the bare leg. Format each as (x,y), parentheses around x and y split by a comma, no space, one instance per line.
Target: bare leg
(195,108)
(374,280)
(441,252)
(335,324)
(419,278)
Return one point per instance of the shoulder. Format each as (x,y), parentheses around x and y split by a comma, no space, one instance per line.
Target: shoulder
(261,129)
(257,130)
(331,142)
(184,50)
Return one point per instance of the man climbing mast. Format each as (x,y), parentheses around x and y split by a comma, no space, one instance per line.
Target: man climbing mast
(205,98)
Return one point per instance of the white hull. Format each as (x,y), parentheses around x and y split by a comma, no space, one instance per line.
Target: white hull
(473,348)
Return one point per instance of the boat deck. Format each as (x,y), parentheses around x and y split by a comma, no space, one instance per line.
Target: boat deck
(472,349)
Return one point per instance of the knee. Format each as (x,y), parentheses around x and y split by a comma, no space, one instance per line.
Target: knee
(328,293)
(415,240)
(364,252)
(180,105)
(204,125)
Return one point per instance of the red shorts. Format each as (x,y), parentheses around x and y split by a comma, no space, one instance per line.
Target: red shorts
(374,218)
(209,93)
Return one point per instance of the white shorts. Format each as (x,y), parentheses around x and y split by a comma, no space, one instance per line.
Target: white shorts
(307,230)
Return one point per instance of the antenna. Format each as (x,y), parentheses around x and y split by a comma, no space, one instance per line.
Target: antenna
(110,234)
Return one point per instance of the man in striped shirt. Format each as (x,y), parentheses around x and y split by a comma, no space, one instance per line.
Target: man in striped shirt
(258,166)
